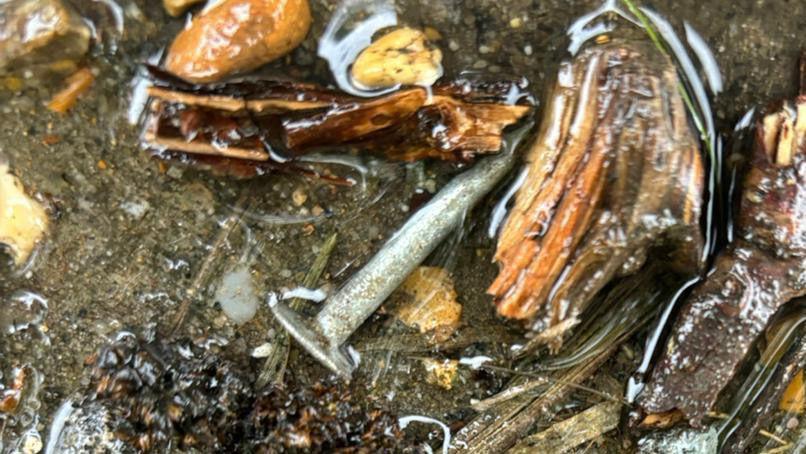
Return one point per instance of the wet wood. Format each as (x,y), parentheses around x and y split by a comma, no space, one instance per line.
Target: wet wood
(566,435)
(259,121)
(76,85)
(606,186)
(761,412)
(761,271)
(509,422)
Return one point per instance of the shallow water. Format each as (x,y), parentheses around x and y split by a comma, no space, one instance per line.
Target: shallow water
(129,237)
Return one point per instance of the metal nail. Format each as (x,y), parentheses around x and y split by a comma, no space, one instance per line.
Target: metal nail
(323,336)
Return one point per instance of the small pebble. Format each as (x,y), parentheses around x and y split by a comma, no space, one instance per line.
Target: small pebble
(317,210)
(527,49)
(299,197)
(792,423)
(480,64)
(262,351)
(137,209)
(453,45)
(485,49)
(516,22)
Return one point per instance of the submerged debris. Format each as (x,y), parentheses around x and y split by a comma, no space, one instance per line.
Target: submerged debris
(78,83)
(322,417)
(152,395)
(249,128)
(45,33)
(615,176)
(235,36)
(427,300)
(11,394)
(794,396)
(400,57)
(23,221)
(764,268)
(566,435)
(160,394)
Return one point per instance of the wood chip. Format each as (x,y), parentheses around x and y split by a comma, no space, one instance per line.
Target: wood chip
(794,397)
(77,84)
(427,300)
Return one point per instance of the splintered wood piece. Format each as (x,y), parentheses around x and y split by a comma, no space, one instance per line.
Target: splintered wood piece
(346,123)
(567,434)
(276,121)
(615,172)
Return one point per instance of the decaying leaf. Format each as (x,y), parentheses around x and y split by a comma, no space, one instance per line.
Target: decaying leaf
(615,176)
(427,301)
(23,221)
(794,397)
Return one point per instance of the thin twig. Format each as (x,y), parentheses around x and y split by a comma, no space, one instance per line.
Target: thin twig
(773,437)
(770,435)
(203,275)
(558,381)
(781,449)
(507,394)
(567,434)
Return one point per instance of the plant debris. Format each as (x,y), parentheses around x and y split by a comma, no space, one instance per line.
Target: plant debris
(566,435)
(184,394)
(77,84)
(794,397)
(763,269)
(606,188)
(250,128)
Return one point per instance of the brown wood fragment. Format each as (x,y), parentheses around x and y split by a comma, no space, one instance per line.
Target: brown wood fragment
(78,83)
(598,174)
(261,121)
(757,274)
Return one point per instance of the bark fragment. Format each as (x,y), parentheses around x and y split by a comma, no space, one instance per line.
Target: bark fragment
(754,277)
(616,172)
(263,124)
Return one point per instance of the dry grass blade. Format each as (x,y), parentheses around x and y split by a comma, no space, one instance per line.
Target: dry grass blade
(572,432)
(501,428)
(275,364)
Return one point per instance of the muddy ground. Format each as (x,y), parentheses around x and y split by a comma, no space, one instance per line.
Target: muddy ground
(129,237)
